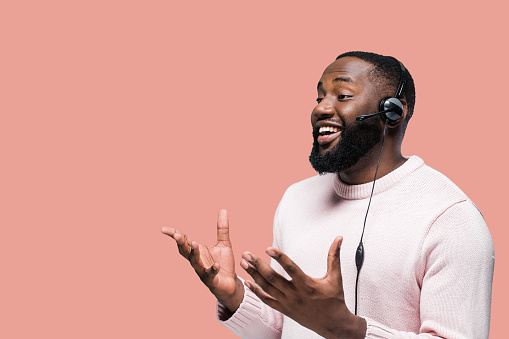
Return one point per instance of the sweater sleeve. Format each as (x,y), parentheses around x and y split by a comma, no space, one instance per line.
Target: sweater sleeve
(457,275)
(254,319)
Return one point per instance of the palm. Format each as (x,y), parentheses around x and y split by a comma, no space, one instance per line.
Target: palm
(224,281)
(214,265)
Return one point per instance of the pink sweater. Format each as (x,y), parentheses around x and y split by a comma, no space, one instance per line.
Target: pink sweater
(428,264)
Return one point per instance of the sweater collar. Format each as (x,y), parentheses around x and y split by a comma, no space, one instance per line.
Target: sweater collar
(382,184)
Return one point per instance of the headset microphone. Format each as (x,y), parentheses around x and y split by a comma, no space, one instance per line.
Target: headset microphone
(392,110)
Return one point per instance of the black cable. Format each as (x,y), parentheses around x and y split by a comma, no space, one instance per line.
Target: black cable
(359,253)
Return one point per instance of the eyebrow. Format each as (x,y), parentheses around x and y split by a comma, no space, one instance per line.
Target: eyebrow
(339,79)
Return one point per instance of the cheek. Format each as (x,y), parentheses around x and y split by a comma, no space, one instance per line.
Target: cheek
(362,109)
(349,113)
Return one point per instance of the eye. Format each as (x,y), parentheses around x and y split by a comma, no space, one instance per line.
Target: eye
(319,100)
(344,96)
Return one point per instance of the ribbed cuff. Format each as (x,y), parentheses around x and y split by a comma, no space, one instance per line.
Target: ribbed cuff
(248,321)
(375,330)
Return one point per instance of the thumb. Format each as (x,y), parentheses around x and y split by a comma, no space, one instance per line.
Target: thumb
(333,261)
(223,228)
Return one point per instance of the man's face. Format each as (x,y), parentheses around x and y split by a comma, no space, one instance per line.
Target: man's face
(344,93)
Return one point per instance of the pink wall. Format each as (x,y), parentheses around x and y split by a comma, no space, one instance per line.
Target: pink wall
(119,117)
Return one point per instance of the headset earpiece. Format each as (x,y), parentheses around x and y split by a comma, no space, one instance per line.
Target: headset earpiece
(393,105)
(393,108)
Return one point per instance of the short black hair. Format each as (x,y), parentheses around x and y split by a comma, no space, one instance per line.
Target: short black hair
(386,74)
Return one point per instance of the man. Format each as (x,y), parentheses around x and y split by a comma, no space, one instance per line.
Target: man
(424,268)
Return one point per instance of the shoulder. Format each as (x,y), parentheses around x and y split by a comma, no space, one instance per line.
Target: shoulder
(431,190)
(430,180)
(457,218)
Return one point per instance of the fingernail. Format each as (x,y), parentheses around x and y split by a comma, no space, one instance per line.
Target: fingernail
(244,264)
(248,257)
(271,253)
(248,284)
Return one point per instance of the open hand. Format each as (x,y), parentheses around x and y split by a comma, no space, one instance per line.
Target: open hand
(317,304)
(214,265)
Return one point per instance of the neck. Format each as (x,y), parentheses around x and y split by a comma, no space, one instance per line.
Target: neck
(364,170)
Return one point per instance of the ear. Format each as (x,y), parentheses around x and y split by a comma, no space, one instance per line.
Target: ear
(402,118)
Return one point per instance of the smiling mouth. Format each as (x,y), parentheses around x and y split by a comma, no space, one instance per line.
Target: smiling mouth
(327,134)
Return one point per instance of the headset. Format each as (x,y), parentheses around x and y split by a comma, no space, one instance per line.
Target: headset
(391,109)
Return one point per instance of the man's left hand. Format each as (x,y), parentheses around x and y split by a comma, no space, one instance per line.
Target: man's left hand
(318,304)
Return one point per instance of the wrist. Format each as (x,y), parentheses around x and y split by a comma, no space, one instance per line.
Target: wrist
(352,327)
(361,328)
(233,301)
(356,329)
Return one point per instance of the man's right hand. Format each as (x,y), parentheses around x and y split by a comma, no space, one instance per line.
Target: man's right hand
(214,265)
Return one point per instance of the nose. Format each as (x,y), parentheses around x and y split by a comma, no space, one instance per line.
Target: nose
(324,110)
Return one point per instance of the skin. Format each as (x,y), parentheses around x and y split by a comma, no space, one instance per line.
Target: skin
(303,298)
(214,265)
(343,102)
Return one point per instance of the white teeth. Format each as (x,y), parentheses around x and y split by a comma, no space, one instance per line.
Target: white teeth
(331,129)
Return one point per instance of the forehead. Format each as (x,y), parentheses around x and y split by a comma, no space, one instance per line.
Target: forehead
(349,69)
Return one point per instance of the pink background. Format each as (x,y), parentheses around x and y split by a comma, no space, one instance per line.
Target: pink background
(120,117)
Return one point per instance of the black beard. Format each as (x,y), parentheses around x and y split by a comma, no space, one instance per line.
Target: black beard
(357,139)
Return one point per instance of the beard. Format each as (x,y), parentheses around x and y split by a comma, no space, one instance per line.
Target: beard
(357,139)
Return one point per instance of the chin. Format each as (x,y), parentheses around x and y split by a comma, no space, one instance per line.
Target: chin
(327,148)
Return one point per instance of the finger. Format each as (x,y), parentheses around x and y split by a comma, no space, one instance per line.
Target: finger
(272,277)
(294,271)
(266,298)
(191,251)
(175,234)
(223,228)
(183,243)
(206,274)
(194,257)
(168,231)
(333,261)
(261,281)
